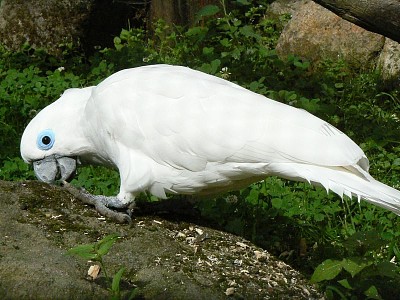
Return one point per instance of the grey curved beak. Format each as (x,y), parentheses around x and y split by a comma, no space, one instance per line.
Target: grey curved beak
(53,167)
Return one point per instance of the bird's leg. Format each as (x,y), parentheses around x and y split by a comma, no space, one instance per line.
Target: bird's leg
(102,203)
(110,201)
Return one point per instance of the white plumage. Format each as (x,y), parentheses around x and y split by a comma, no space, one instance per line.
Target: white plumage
(170,129)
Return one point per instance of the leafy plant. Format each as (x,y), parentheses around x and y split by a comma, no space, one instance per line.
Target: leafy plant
(95,252)
(360,272)
(97,180)
(16,168)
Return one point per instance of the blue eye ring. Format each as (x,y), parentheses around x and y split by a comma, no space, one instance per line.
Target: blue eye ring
(45,139)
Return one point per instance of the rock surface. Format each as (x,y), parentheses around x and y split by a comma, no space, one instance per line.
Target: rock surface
(164,258)
(41,23)
(50,24)
(389,62)
(316,33)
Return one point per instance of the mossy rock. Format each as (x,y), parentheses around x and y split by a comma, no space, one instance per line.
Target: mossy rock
(164,257)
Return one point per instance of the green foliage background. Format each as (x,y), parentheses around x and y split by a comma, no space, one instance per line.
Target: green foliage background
(302,224)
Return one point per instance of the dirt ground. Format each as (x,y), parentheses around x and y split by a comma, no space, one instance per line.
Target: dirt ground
(164,257)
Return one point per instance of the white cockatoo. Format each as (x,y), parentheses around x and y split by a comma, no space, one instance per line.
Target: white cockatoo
(170,129)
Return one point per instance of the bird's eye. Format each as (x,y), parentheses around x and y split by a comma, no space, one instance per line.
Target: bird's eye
(45,139)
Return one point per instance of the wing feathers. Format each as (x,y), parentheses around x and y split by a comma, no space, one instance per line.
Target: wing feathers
(342,182)
(198,131)
(212,119)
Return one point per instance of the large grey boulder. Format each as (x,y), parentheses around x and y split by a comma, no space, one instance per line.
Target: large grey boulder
(164,259)
(316,34)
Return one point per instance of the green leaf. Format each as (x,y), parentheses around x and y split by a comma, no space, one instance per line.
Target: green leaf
(236,52)
(339,85)
(125,34)
(396,162)
(212,67)
(355,265)
(319,217)
(253,196)
(345,283)
(84,251)
(104,245)
(363,241)
(372,293)
(206,11)
(327,270)
(117,43)
(116,280)
(208,50)
(196,31)
(330,293)
(225,42)
(300,64)
(248,31)
(385,269)
(276,202)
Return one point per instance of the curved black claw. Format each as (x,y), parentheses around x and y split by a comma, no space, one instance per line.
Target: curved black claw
(98,202)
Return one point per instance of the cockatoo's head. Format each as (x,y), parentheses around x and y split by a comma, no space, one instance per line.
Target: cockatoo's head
(54,137)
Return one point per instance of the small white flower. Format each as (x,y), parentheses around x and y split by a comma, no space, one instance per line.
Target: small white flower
(225,73)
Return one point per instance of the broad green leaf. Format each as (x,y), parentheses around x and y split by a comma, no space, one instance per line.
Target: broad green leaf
(386,269)
(363,241)
(215,65)
(372,293)
(345,283)
(253,196)
(327,270)
(210,68)
(355,265)
(276,202)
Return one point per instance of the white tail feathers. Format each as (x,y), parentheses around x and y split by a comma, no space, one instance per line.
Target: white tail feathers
(352,182)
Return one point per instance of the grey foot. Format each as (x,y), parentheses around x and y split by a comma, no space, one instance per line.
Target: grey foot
(101,203)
